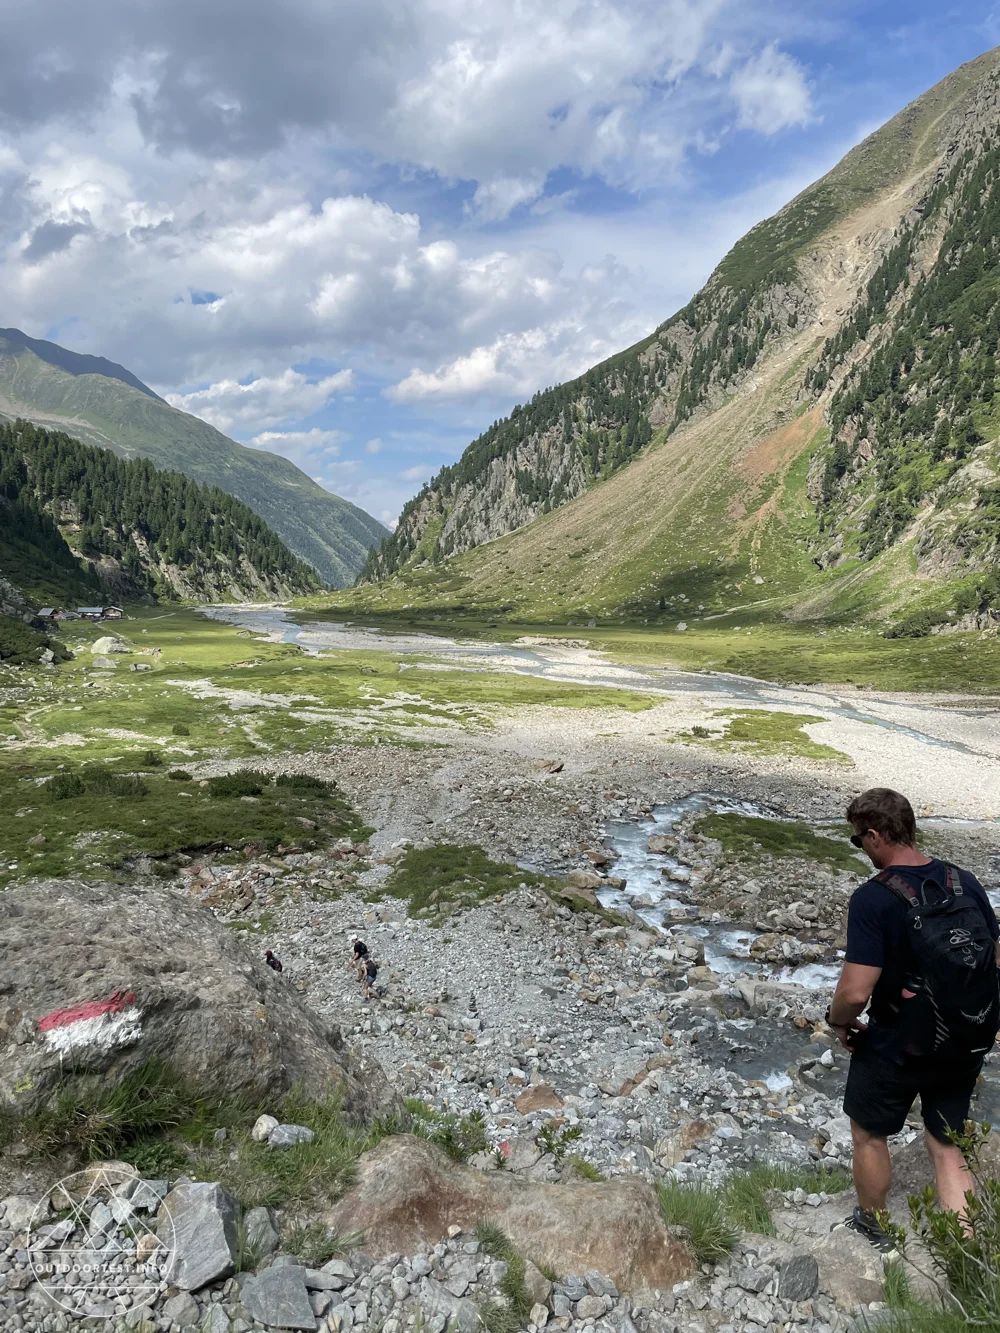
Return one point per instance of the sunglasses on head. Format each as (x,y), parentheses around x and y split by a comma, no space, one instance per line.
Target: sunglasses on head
(858,839)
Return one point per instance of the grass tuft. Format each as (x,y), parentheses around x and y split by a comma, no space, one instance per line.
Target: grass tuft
(746,838)
(437,881)
(702,1215)
(744,1193)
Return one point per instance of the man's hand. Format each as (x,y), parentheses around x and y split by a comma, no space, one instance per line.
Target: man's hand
(854,990)
(845,1033)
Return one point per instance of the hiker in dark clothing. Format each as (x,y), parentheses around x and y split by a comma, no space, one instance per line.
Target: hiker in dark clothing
(368,976)
(359,957)
(272,961)
(922,959)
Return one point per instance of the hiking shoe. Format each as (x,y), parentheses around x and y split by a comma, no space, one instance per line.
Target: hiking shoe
(863,1223)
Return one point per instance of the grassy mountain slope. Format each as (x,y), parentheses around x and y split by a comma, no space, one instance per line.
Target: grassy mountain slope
(78,521)
(785,413)
(106,405)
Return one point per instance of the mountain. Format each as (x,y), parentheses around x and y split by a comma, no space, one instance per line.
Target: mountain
(80,522)
(817,428)
(104,404)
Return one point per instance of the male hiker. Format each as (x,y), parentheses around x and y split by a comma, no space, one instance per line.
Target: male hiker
(359,957)
(921,948)
(368,977)
(273,961)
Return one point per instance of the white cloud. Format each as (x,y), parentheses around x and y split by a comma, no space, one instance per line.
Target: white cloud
(495,200)
(771,92)
(374,446)
(421,473)
(265,401)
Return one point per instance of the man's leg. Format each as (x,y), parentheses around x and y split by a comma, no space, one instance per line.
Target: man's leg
(954,1179)
(872,1168)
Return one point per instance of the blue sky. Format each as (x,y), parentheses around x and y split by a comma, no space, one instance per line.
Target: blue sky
(357,233)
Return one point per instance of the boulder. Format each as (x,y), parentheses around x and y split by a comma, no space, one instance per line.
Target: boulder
(287,1136)
(105,663)
(661,843)
(110,644)
(98,979)
(261,1233)
(197,1225)
(262,1127)
(583,879)
(538,1098)
(798,1277)
(181,1310)
(675,1146)
(408,1193)
(849,1269)
(460,1313)
(278,1298)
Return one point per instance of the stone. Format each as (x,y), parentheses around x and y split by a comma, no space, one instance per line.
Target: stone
(320,1302)
(287,1136)
(536,1284)
(408,1193)
(540,1097)
(105,663)
(148,1195)
(539,1315)
(591,1307)
(599,1285)
(261,1233)
(675,1146)
(849,1269)
(278,1298)
(215,1320)
(197,1222)
(110,644)
(661,843)
(181,1309)
(20,1210)
(460,1277)
(460,1314)
(168,982)
(798,1278)
(262,1127)
(344,1273)
(583,879)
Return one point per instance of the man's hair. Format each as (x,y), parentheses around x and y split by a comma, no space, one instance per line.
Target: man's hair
(884,811)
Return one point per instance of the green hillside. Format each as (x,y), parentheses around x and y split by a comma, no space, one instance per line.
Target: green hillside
(814,437)
(103,404)
(75,521)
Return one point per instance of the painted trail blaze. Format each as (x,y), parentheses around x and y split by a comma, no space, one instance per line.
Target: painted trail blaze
(98,1024)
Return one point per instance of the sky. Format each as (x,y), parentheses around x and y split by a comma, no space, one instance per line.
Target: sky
(356,232)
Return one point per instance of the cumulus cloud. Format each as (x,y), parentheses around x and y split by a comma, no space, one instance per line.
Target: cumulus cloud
(266,401)
(771,92)
(374,446)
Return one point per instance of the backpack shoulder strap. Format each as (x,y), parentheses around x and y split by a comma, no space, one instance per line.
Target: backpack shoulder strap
(899,886)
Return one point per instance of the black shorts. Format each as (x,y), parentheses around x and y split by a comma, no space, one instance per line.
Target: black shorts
(880,1092)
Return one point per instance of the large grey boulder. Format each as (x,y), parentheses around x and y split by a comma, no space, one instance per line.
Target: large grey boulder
(197,1222)
(97,979)
(278,1298)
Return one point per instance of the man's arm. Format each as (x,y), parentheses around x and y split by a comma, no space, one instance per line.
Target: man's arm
(854,990)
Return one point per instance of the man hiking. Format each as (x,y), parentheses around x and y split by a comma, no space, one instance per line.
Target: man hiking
(368,976)
(922,957)
(359,956)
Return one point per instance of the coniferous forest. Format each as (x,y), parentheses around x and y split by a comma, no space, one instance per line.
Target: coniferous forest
(83,507)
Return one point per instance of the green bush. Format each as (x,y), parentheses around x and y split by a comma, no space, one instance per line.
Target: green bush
(151,759)
(181,729)
(916,626)
(64,786)
(461,1137)
(303,782)
(179,775)
(244,782)
(102,781)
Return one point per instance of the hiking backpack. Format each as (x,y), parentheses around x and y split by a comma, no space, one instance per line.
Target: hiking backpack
(955,1004)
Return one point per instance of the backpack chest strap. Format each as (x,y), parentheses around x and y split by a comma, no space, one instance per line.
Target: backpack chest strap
(904,889)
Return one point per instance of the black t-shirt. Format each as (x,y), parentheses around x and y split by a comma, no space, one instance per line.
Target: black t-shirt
(876,937)
(371,969)
(360,949)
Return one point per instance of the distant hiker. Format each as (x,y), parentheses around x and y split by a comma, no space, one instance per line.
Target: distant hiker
(359,957)
(922,957)
(272,961)
(368,976)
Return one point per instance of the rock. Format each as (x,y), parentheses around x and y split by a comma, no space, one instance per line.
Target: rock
(536,1284)
(110,644)
(690,950)
(583,879)
(408,1193)
(287,1136)
(591,1307)
(181,1309)
(337,1268)
(540,1097)
(262,1127)
(661,843)
(539,1315)
(849,1269)
(460,1314)
(460,1277)
(600,1285)
(105,663)
(19,1212)
(278,1298)
(798,1278)
(681,626)
(837,1133)
(197,1223)
(261,1232)
(109,977)
(318,1280)
(675,1146)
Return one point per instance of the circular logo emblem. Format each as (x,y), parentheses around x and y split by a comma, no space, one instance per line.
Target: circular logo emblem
(96,1243)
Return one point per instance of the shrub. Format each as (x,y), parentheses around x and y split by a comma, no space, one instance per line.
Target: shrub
(179,775)
(181,729)
(303,782)
(244,782)
(461,1137)
(151,759)
(64,786)
(105,782)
